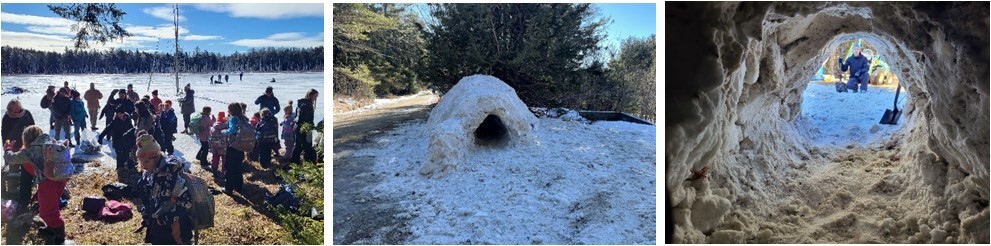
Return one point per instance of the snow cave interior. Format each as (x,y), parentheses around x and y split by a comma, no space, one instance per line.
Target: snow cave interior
(742,167)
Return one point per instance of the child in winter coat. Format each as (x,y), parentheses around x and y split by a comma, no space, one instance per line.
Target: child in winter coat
(266,136)
(78,113)
(218,142)
(255,119)
(169,123)
(288,125)
(49,190)
(203,135)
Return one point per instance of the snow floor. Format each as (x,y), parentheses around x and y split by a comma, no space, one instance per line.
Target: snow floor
(579,184)
(289,86)
(841,119)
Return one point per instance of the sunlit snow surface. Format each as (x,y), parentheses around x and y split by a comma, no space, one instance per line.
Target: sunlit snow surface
(833,118)
(581,184)
(288,86)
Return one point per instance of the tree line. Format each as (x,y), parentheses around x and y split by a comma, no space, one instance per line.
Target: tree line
(77,61)
(550,53)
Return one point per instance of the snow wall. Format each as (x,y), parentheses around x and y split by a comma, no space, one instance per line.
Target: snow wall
(735,77)
(479,111)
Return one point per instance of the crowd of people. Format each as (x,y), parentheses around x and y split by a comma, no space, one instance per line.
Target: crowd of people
(141,130)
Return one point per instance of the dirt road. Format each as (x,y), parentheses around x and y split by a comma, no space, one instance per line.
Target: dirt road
(360,217)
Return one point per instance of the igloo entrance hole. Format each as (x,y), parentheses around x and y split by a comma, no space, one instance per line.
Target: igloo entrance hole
(491,132)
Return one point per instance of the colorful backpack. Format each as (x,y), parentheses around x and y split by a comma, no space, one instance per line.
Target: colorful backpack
(218,141)
(244,137)
(57,155)
(268,130)
(196,122)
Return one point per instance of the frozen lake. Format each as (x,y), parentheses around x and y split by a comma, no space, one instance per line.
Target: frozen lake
(288,87)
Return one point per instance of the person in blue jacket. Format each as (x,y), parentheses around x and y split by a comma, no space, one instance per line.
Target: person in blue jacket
(858,65)
(234,161)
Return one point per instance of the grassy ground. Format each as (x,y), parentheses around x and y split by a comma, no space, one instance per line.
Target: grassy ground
(240,219)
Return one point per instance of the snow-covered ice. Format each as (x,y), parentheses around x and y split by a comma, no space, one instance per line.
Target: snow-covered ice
(578,184)
(289,87)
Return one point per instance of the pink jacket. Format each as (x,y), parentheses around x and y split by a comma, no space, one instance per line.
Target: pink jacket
(206,125)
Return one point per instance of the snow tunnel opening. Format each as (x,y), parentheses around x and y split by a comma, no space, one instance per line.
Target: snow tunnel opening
(844,105)
(492,132)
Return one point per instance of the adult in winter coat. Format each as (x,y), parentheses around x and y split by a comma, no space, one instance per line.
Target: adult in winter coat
(15,120)
(233,167)
(122,133)
(78,113)
(266,137)
(187,107)
(128,105)
(61,110)
(92,97)
(131,94)
(46,103)
(145,120)
(858,66)
(268,101)
(109,108)
(304,115)
(49,190)
(165,215)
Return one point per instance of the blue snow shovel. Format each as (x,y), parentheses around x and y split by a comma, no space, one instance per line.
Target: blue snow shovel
(891,116)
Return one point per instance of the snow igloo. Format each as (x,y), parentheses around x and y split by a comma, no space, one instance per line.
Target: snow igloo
(736,90)
(480,111)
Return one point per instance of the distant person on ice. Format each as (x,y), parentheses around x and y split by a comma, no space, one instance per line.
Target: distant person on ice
(156,101)
(858,66)
(46,103)
(227,78)
(211,79)
(241,77)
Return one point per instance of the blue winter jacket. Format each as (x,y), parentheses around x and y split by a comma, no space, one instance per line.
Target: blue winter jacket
(78,112)
(856,64)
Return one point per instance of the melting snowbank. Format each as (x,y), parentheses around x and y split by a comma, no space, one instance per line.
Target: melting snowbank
(580,183)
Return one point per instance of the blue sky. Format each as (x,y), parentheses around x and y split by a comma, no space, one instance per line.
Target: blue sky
(629,20)
(222,28)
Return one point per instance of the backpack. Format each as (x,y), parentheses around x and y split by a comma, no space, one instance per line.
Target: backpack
(244,137)
(196,122)
(202,211)
(57,155)
(218,141)
(268,130)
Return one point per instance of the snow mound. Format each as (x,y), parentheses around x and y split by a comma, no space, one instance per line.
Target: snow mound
(560,113)
(581,184)
(480,110)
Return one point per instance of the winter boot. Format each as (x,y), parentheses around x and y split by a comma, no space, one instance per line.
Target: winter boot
(840,87)
(55,236)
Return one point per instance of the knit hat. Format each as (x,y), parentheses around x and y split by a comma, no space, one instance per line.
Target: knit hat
(147,147)
(221,117)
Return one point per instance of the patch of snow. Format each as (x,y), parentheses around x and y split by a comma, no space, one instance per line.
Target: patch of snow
(380,102)
(579,184)
(840,119)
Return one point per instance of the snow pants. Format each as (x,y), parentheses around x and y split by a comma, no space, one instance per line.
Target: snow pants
(93,115)
(157,234)
(63,124)
(233,178)
(49,192)
(264,150)
(204,151)
(303,147)
(862,79)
